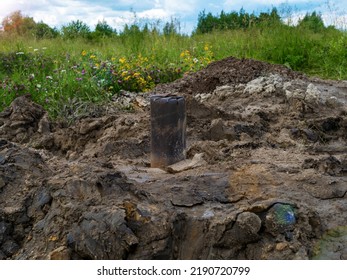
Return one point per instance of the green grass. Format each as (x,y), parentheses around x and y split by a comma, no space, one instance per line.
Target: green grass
(57,72)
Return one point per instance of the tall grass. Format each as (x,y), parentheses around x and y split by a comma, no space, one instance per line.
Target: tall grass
(57,71)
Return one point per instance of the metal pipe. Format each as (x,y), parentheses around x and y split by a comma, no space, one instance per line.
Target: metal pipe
(168,130)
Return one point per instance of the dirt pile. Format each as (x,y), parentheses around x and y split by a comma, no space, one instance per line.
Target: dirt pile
(271,182)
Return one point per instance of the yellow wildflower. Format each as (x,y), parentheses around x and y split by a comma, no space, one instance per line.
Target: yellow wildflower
(122,60)
(92,56)
(84,53)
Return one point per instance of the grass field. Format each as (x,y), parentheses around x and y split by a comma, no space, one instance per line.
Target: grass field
(58,72)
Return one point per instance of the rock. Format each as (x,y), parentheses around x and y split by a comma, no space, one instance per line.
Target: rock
(223,92)
(255,86)
(296,94)
(5,230)
(281,246)
(245,230)
(267,86)
(61,253)
(39,202)
(183,165)
(310,135)
(313,94)
(9,247)
(142,102)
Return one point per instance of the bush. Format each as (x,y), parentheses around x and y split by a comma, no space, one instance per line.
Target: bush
(75,29)
(43,31)
(102,29)
(312,22)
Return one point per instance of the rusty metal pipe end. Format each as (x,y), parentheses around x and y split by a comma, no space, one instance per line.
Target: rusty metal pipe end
(168,130)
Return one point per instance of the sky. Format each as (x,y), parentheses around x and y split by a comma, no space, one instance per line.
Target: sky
(117,13)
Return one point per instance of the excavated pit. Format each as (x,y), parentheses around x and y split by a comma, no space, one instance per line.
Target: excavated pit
(266,175)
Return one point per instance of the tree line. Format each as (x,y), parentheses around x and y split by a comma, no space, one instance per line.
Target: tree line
(18,24)
(243,20)
(21,25)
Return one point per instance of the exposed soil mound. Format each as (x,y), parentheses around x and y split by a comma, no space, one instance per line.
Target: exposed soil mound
(229,71)
(266,176)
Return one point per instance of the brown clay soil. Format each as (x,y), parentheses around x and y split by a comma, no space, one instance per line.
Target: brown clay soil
(271,182)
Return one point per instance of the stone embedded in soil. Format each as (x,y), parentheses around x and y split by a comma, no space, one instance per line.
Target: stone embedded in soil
(4,231)
(61,253)
(187,164)
(244,231)
(9,247)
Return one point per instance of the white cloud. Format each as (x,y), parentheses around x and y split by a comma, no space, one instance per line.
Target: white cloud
(154,14)
(240,3)
(187,6)
(59,12)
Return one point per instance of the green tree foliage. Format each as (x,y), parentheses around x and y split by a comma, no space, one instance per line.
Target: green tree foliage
(44,31)
(313,22)
(268,19)
(103,29)
(132,36)
(169,28)
(75,29)
(241,20)
(208,22)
